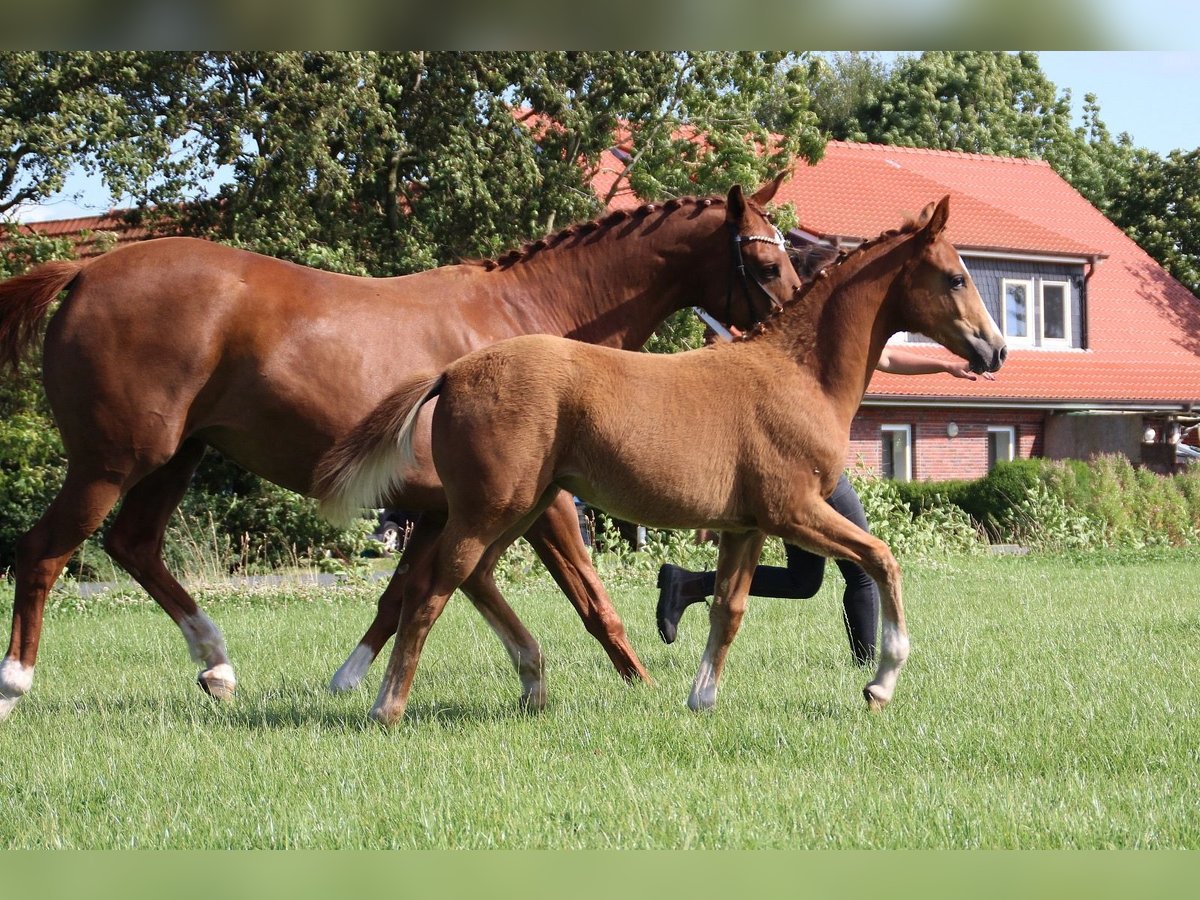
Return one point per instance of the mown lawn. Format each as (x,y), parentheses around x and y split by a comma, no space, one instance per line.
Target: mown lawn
(1048,703)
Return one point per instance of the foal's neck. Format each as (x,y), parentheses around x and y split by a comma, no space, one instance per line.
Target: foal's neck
(837,329)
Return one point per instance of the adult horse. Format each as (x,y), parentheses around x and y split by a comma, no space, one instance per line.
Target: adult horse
(745,438)
(165,347)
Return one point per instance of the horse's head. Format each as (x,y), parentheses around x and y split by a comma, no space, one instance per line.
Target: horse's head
(760,276)
(942,301)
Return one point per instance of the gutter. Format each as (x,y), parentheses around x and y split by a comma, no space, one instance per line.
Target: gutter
(1186,406)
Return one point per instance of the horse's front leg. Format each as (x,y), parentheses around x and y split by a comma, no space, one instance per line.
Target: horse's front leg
(823,530)
(736,560)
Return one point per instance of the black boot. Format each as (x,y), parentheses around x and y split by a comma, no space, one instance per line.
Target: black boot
(677,590)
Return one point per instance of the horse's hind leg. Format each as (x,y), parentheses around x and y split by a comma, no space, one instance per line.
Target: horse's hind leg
(522,647)
(77,511)
(135,541)
(555,538)
(387,613)
(736,561)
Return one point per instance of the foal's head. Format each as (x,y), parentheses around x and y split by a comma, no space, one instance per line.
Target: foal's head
(942,302)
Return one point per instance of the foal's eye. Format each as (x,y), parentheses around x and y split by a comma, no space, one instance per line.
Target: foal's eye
(958,281)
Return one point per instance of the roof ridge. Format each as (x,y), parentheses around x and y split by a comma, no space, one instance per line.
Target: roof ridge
(933,151)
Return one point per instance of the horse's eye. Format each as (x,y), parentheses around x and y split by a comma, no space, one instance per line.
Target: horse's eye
(771,271)
(958,281)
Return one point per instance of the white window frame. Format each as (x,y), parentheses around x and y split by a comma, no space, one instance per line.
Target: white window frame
(1064,341)
(1026,340)
(1011,431)
(886,433)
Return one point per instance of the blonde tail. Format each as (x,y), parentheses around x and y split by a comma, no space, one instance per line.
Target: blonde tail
(368,464)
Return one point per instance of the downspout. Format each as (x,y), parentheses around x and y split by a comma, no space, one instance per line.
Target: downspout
(1093,264)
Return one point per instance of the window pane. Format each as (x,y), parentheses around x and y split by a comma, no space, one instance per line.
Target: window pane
(896,462)
(1016,307)
(1054,309)
(1000,446)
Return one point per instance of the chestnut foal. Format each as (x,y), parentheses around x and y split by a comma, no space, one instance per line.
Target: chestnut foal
(637,434)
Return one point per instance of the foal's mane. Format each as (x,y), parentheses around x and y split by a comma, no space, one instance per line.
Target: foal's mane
(822,272)
(600,224)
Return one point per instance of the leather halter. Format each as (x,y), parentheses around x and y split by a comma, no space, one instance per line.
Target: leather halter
(745,277)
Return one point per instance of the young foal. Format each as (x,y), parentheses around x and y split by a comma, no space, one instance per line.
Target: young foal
(636,434)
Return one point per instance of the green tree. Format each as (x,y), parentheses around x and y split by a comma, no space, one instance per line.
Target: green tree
(393,162)
(1160,209)
(123,114)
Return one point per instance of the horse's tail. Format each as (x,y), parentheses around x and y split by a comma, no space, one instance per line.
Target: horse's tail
(25,302)
(367,464)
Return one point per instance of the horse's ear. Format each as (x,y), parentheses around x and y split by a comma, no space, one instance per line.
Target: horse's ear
(765,193)
(937,217)
(735,205)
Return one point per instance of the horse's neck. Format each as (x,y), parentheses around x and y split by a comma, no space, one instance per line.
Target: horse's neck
(613,289)
(838,329)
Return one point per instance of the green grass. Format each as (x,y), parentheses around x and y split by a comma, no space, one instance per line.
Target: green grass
(1048,703)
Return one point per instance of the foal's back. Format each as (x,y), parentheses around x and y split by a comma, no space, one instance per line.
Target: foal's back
(615,428)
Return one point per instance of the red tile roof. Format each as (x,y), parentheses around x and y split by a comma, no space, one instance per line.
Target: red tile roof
(1143,327)
(87,232)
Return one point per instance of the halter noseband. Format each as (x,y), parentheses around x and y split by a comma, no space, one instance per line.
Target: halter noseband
(739,265)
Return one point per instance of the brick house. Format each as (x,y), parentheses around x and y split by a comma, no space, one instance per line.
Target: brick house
(1103,344)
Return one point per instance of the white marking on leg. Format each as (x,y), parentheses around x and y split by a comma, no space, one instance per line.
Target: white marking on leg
(353,670)
(704,688)
(893,653)
(15,682)
(205,641)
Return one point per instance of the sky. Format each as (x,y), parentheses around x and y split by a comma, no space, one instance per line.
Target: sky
(1154,95)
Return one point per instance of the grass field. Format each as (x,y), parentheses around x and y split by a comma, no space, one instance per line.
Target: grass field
(1048,703)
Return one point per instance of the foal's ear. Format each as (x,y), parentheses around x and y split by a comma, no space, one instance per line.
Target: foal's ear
(937,218)
(735,206)
(765,193)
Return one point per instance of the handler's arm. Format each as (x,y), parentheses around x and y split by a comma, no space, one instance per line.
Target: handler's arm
(905,362)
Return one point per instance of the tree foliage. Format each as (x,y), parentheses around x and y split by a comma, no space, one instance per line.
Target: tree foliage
(369,163)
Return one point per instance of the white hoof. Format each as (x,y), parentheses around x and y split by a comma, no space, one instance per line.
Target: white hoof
(218,682)
(15,682)
(353,670)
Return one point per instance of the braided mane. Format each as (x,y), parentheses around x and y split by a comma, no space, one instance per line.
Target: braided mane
(602,223)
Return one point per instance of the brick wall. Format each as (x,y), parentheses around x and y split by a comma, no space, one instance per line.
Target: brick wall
(936,456)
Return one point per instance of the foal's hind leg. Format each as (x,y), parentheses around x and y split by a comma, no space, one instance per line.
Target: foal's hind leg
(77,511)
(135,541)
(736,560)
(556,540)
(458,553)
(387,613)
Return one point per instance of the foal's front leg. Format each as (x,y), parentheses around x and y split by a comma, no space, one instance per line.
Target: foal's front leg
(736,560)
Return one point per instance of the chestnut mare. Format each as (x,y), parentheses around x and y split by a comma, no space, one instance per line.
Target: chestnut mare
(746,438)
(168,346)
